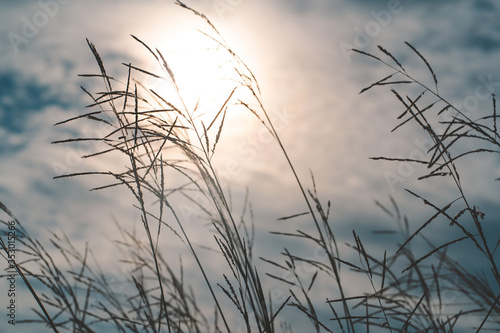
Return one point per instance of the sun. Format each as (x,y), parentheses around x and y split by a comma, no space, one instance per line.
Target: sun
(203,79)
(204,72)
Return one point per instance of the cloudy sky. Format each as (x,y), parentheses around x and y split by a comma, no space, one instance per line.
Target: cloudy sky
(310,83)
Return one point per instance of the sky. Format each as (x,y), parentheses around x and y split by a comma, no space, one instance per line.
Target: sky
(310,82)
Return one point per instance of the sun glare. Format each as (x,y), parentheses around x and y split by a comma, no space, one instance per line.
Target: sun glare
(208,83)
(203,70)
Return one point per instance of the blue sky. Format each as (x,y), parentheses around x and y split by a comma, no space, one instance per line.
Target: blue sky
(310,82)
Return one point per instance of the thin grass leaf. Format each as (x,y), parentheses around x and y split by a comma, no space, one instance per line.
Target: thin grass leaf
(217,137)
(366,54)
(142,70)
(488,314)
(427,64)
(384,268)
(495,116)
(100,63)
(376,83)
(221,109)
(167,67)
(378,203)
(426,223)
(408,320)
(292,216)
(437,249)
(146,46)
(391,56)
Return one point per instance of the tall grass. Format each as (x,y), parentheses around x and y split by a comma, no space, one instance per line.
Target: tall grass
(159,136)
